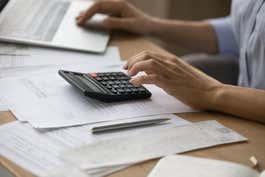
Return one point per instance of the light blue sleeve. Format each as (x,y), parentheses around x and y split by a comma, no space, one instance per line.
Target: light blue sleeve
(227,43)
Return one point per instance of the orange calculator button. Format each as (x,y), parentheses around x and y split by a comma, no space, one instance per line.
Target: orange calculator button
(94,75)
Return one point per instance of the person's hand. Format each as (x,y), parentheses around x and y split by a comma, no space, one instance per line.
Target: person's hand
(176,77)
(123,16)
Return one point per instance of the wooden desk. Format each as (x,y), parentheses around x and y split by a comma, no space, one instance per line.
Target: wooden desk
(240,152)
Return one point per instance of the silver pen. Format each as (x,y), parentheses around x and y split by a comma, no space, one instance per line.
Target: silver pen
(121,126)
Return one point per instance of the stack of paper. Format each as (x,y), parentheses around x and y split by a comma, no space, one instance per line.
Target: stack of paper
(93,159)
(39,151)
(32,89)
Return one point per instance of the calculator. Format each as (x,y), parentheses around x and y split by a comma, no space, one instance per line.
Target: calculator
(105,86)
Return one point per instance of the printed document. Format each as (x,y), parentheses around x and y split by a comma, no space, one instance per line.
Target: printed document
(140,147)
(39,151)
(18,60)
(13,49)
(16,56)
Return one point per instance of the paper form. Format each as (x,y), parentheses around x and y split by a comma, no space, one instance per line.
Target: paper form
(39,151)
(152,144)
(11,49)
(24,61)
(34,56)
(55,103)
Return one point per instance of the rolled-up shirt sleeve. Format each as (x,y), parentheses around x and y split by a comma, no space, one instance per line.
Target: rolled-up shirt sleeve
(227,44)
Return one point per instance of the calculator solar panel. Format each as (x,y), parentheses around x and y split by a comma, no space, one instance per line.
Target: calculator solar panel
(106,86)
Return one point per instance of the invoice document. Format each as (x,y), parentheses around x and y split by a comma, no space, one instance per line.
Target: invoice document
(48,101)
(13,49)
(39,151)
(18,60)
(18,56)
(139,147)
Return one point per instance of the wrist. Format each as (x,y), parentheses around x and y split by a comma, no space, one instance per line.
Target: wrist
(153,26)
(216,97)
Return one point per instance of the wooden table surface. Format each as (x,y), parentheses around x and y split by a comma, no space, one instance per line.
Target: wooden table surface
(239,152)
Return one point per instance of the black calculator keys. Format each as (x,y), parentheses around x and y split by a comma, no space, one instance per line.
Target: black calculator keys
(108,87)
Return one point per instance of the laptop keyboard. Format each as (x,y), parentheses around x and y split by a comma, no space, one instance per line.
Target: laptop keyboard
(32,19)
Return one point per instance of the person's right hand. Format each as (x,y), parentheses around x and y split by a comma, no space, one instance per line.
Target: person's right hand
(122,16)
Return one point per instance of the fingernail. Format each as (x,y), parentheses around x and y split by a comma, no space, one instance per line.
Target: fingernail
(125,66)
(129,73)
(80,21)
(132,81)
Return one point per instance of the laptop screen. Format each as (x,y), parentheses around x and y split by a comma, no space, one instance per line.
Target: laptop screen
(3,4)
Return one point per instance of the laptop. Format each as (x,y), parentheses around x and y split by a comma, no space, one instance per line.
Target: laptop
(50,23)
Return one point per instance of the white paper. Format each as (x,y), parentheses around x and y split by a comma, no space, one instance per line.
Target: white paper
(185,166)
(3,107)
(12,49)
(152,144)
(18,60)
(34,56)
(55,103)
(39,151)
(66,171)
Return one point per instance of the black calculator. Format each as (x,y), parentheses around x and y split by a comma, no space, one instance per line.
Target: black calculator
(105,86)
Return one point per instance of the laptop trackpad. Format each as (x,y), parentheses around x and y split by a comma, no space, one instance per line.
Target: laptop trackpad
(72,36)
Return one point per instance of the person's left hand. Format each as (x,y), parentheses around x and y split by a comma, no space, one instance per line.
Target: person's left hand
(176,77)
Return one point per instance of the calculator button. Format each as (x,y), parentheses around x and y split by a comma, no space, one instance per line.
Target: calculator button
(134,89)
(120,90)
(110,82)
(109,86)
(124,82)
(100,74)
(99,79)
(114,74)
(141,89)
(128,90)
(122,86)
(113,90)
(123,78)
(103,83)
(94,75)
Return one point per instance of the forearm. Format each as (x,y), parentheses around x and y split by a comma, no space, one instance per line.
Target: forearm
(244,102)
(197,36)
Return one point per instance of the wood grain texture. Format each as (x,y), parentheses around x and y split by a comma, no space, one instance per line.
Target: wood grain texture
(240,152)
